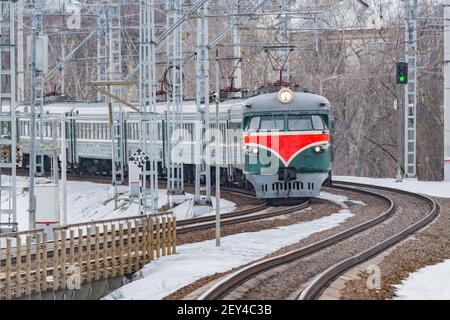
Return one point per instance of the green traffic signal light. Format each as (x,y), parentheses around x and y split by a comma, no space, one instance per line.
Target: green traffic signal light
(402,73)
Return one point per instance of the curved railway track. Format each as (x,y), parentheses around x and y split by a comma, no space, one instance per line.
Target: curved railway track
(239,216)
(235,217)
(230,283)
(320,282)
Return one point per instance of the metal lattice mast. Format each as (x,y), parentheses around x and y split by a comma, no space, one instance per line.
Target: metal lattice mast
(7,114)
(36,80)
(447,90)
(20,60)
(38,88)
(284,22)
(102,46)
(113,17)
(410,156)
(147,103)
(237,48)
(175,187)
(202,152)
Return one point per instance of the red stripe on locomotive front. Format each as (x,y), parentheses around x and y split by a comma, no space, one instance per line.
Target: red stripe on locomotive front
(286,145)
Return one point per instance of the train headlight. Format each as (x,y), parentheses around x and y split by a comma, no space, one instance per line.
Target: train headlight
(255,150)
(285,95)
(321,148)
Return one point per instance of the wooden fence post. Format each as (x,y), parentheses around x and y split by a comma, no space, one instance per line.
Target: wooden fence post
(19,267)
(44,262)
(129,263)
(88,255)
(80,252)
(105,251)
(150,249)
(136,245)
(144,242)
(28,266)
(72,247)
(121,250)
(164,238)
(158,238)
(174,236)
(55,262)
(169,235)
(38,263)
(63,259)
(113,251)
(8,269)
(97,253)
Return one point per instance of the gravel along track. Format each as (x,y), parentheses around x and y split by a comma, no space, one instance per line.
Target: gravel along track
(427,247)
(269,218)
(287,280)
(371,208)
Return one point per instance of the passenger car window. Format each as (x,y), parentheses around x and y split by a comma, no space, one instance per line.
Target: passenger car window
(272,123)
(318,123)
(299,123)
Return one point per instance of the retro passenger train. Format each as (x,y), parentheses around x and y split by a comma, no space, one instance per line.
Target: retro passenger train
(283,138)
(286,137)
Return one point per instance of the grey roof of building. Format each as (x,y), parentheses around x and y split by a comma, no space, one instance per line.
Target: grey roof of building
(302,101)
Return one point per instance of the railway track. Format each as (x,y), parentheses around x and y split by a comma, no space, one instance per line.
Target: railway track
(312,288)
(235,217)
(195,224)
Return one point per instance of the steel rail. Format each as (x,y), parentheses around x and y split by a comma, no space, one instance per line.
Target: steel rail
(320,282)
(236,218)
(227,284)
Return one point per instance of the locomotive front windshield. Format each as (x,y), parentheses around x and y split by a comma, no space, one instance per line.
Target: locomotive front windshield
(294,123)
(306,123)
(272,123)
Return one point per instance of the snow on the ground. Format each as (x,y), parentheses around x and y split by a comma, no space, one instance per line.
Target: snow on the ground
(88,201)
(429,283)
(197,260)
(431,188)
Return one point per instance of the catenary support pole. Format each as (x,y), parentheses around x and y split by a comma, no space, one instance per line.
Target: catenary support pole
(217,98)
(63,171)
(447,90)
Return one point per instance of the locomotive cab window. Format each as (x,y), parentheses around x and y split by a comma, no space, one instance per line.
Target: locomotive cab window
(272,123)
(318,123)
(299,123)
(253,124)
(306,123)
(266,123)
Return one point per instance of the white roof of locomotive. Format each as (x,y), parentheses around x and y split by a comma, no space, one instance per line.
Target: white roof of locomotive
(101,108)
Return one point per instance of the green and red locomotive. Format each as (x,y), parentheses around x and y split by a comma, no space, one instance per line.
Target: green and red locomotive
(287,144)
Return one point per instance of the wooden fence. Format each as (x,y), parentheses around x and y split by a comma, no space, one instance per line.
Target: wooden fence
(81,253)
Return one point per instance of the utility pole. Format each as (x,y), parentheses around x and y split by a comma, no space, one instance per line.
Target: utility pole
(399,177)
(63,49)
(410,97)
(218,137)
(284,25)
(148,136)
(401,80)
(8,210)
(447,90)
(32,161)
(36,102)
(114,25)
(20,66)
(237,50)
(174,81)
(63,171)
(202,198)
